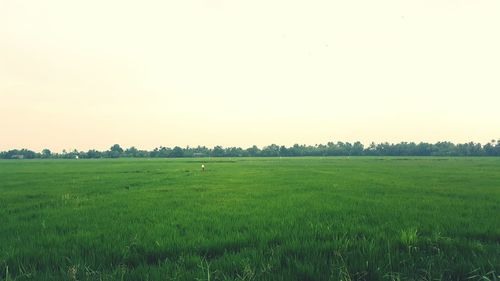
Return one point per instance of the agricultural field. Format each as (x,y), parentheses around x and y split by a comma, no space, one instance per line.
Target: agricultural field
(363,218)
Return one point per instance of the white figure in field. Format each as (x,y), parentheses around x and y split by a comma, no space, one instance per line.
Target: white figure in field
(203,167)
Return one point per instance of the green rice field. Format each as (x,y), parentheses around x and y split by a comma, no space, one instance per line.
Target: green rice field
(339,218)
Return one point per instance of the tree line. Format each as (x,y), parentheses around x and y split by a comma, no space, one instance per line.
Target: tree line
(330,149)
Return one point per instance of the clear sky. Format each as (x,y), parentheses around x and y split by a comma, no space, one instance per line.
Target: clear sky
(88,74)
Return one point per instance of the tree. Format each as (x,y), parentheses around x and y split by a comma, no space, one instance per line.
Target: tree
(253,151)
(163,152)
(283,151)
(92,153)
(46,153)
(371,150)
(177,152)
(357,149)
(424,149)
(115,151)
(131,152)
(443,148)
(218,151)
(117,148)
(271,150)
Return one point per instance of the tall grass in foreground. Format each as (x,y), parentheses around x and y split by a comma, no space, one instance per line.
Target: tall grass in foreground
(251,219)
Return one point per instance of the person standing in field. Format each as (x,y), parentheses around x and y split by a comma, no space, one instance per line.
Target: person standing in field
(203,167)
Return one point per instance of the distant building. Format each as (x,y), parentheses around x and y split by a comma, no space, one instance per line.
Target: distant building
(17,156)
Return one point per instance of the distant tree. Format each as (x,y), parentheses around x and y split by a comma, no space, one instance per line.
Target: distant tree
(19,154)
(357,149)
(115,151)
(177,152)
(283,151)
(218,151)
(234,152)
(161,152)
(489,149)
(270,151)
(424,149)
(371,150)
(296,150)
(253,151)
(200,151)
(142,153)
(117,148)
(93,154)
(46,153)
(131,152)
(154,152)
(443,148)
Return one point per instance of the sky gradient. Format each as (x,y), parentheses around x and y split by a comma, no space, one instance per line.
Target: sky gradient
(88,74)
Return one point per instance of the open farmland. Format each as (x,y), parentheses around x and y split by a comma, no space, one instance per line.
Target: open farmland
(250,219)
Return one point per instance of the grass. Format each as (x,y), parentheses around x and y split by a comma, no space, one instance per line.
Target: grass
(250,219)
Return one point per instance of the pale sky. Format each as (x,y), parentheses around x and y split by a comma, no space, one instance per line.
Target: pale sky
(88,74)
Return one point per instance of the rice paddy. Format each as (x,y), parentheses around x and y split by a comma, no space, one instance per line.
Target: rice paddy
(333,218)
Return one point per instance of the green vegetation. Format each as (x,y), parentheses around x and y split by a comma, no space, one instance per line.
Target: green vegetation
(250,219)
(330,149)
